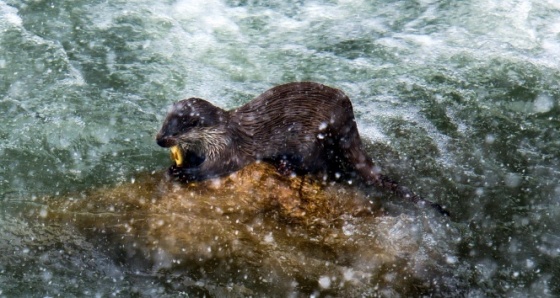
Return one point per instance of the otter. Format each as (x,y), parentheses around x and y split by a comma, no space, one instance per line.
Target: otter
(301,128)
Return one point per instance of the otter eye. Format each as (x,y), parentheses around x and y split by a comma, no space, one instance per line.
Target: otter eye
(195,123)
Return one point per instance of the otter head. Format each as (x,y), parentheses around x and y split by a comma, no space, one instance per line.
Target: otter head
(190,129)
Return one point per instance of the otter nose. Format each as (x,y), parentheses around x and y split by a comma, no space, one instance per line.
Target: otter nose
(166,141)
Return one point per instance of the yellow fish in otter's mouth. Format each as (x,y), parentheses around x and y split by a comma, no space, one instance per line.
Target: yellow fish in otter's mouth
(177,155)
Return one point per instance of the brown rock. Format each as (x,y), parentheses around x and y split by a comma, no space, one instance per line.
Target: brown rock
(257,232)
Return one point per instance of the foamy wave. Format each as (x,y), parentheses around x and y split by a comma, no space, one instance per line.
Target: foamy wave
(9,15)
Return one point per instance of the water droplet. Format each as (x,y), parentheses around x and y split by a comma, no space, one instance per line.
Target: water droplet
(268,238)
(43,213)
(512,180)
(451,259)
(325,282)
(543,103)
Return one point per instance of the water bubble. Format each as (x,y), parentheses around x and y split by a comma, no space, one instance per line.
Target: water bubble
(543,103)
(390,277)
(268,238)
(47,275)
(512,180)
(451,259)
(43,213)
(490,139)
(348,274)
(530,264)
(325,282)
(479,191)
(348,229)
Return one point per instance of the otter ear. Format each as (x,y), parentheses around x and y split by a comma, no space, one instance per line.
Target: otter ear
(197,112)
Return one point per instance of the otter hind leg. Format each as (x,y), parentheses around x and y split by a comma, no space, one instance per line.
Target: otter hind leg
(351,147)
(287,165)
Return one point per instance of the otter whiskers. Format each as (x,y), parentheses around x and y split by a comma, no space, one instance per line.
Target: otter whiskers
(208,142)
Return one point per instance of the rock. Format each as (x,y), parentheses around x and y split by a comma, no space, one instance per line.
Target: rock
(257,232)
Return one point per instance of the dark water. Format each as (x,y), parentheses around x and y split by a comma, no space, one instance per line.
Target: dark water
(459,98)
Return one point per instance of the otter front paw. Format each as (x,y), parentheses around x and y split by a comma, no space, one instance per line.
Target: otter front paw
(181,174)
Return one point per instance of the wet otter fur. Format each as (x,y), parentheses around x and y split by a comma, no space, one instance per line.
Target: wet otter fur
(300,127)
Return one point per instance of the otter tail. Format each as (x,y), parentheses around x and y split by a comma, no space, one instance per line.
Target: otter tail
(387,183)
(353,149)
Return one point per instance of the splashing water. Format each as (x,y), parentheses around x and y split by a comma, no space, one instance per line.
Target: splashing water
(459,100)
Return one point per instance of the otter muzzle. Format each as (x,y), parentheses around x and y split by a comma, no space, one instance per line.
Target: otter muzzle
(177,155)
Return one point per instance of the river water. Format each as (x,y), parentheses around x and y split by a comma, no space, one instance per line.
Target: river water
(460,99)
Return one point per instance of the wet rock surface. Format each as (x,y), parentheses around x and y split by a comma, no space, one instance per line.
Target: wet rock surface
(256,233)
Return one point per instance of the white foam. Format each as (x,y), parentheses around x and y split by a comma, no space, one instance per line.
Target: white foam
(318,11)
(543,103)
(553,4)
(209,14)
(9,14)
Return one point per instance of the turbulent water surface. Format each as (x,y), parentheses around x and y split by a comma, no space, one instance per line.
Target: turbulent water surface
(459,100)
